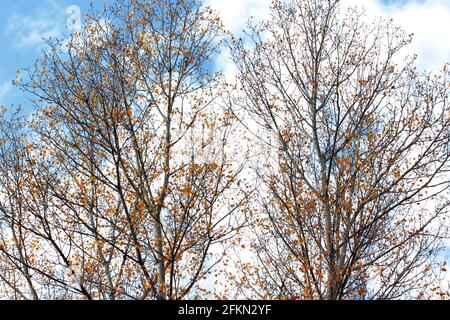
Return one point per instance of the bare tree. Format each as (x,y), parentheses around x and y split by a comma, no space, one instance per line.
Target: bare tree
(354,188)
(133,188)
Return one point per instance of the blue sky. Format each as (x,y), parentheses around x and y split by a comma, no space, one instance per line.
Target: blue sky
(23,23)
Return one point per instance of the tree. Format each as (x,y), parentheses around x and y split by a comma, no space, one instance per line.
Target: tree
(15,239)
(133,190)
(354,172)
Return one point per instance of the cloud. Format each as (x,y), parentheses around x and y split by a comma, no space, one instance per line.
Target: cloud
(235,13)
(429,20)
(28,31)
(430,23)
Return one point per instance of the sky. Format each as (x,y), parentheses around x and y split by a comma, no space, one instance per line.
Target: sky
(24,24)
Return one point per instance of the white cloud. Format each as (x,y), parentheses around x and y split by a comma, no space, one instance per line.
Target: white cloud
(430,23)
(235,13)
(429,20)
(31,31)
(28,31)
